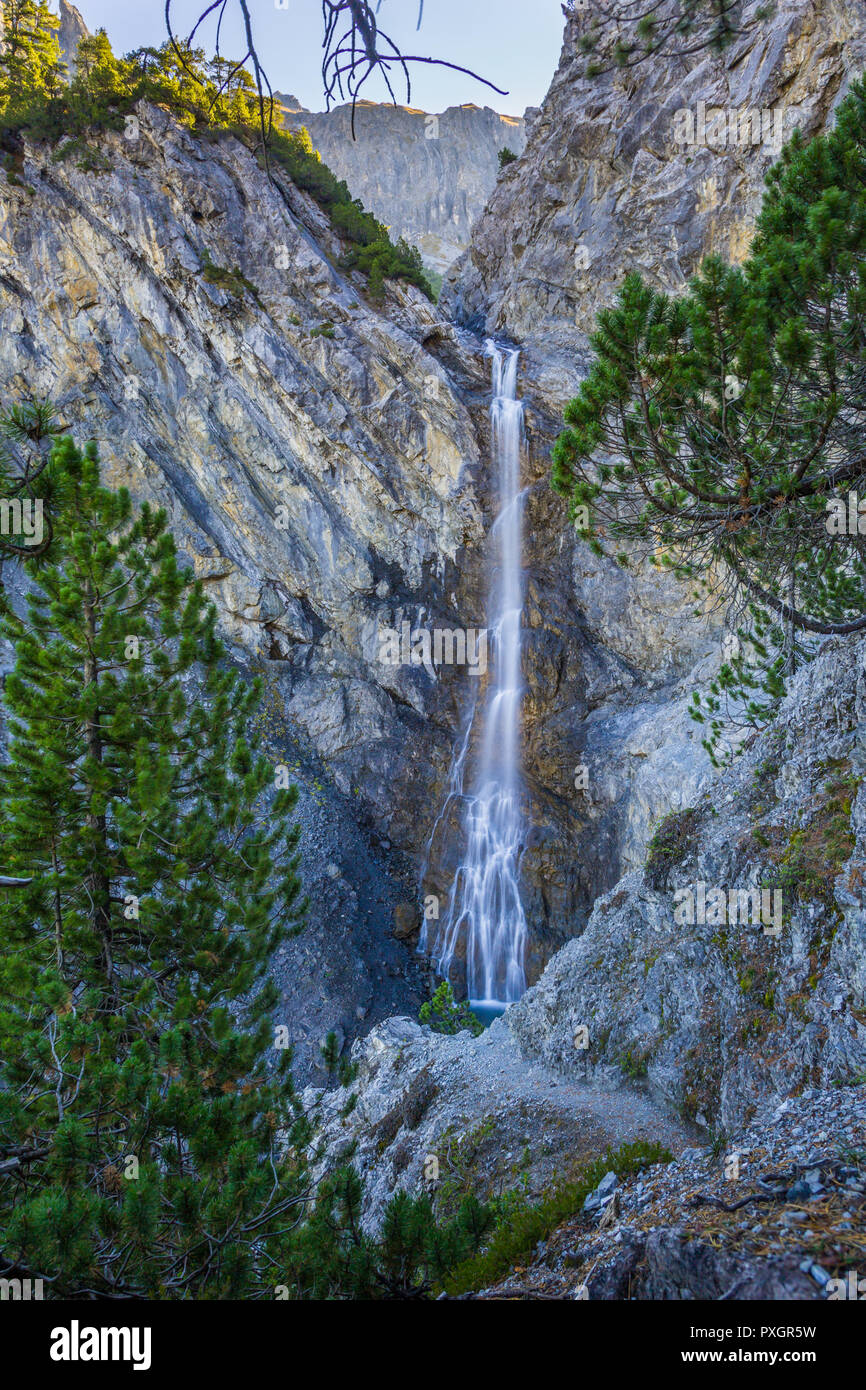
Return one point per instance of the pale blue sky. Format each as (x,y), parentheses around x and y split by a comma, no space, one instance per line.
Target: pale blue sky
(516,43)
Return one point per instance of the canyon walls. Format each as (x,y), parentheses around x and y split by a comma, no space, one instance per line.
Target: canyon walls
(425,175)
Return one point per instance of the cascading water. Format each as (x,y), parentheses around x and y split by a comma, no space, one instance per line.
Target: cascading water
(485,908)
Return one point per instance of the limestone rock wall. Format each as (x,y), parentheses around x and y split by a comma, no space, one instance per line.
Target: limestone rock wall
(426,175)
(317,465)
(722,1016)
(315,462)
(612,180)
(324,465)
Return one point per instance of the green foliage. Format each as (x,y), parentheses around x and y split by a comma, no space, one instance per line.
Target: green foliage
(333,1258)
(715,428)
(31,64)
(27,434)
(635,1064)
(673,840)
(336,1065)
(381,260)
(330,1053)
(436,280)
(140,1107)
(370,248)
(747,690)
(232,281)
(105,89)
(506,157)
(514,1241)
(806,862)
(211,97)
(444,1015)
(12,167)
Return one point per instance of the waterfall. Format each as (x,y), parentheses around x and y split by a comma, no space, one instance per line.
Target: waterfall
(485,909)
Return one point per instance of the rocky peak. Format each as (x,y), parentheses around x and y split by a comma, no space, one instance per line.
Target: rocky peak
(72,31)
(426,175)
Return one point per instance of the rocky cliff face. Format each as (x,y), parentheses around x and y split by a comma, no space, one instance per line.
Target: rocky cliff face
(728,1007)
(323,462)
(488,1118)
(647,169)
(722,1226)
(72,30)
(316,463)
(615,177)
(426,175)
(314,458)
(718,1019)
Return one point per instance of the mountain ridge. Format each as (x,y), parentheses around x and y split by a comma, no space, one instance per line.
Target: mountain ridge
(425,174)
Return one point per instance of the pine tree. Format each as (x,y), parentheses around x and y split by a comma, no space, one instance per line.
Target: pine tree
(31,63)
(141,1124)
(103,87)
(722,431)
(335,1258)
(26,437)
(443,1014)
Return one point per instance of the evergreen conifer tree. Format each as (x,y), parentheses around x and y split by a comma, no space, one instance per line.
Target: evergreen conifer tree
(31,62)
(721,431)
(335,1258)
(141,1127)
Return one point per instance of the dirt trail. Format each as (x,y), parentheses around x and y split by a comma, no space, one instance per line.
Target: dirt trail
(493,1121)
(599,1116)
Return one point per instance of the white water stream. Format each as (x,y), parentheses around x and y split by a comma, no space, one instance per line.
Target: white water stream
(485,910)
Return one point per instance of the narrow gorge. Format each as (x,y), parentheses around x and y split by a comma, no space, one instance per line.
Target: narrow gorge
(489,720)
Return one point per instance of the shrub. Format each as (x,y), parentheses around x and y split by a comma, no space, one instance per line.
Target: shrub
(514,1242)
(444,1015)
(673,841)
(232,281)
(334,1258)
